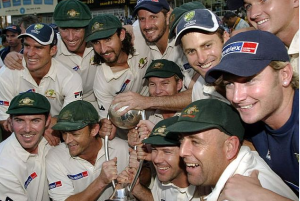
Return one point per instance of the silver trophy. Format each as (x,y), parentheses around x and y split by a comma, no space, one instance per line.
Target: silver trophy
(128,120)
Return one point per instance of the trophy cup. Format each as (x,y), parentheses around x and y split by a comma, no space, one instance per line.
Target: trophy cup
(128,120)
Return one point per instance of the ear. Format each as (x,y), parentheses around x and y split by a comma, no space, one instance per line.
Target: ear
(53,50)
(95,130)
(286,75)
(122,34)
(168,16)
(226,36)
(296,3)
(179,85)
(48,121)
(232,145)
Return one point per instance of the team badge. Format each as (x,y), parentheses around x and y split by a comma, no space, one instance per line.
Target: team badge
(158,65)
(190,112)
(50,93)
(143,62)
(172,18)
(189,16)
(160,131)
(26,101)
(73,13)
(97,27)
(37,28)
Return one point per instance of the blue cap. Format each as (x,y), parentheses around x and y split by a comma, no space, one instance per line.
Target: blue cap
(248,53)
(42,33)
(12,28)
(154,6)
(202,19)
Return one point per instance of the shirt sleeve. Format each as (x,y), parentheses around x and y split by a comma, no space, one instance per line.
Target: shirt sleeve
(7,93)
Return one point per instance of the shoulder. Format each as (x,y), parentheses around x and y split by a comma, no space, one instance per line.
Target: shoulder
(59,152)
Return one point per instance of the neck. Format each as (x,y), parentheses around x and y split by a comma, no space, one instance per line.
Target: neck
(16,48)
(181,180)
(162,44)
(92,153)
(120,64)
(38,75)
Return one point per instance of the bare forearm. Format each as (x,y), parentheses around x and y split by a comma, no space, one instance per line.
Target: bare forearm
(174,103)
(142,193)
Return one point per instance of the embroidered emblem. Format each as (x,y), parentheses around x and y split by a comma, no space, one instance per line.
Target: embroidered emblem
(96,27)
(73,13)
(160,131)
(26,101)
(189,16)
(50,93)
(190,112)
(143,62)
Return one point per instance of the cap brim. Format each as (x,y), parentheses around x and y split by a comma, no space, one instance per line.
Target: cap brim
(239,67)
(27,110)
(69,126)
(72,23)
(100,34)
(159,140)
(188,127)
(161,74)
(147,6)
(36,39)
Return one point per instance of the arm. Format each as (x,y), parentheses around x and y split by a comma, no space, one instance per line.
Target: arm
(13,60)
(243,188)
(136,101)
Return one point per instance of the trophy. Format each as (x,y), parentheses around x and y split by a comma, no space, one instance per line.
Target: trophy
(128,120)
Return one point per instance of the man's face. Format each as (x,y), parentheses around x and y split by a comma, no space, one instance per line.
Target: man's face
(268,15)
(12,39)
(38,57)
(166,161)
(73,38)
(204,156)
(109,48)
(203,51)
(164,86)
(29,130)
(256,98)
(153,26)
(78,141)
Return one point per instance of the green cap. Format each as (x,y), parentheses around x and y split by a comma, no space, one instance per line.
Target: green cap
(207,114)
(179,11)
(102,26)
(29,103)
(76,115)
(72,13)
(164,69)
(158,135)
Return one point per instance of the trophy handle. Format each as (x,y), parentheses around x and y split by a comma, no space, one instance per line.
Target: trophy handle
(107,154)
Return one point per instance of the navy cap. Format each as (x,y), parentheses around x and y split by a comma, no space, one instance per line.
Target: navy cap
(234,4)
(12,28)
(202,19)
(248,53)
(154,6)
(42,33)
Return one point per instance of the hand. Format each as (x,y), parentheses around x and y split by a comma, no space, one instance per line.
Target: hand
(132,100)
(142,153)
(133,137)
(13,60)
(133,160)
(144,128)
(108,172)
(52,136)
(107,128)
(126,176)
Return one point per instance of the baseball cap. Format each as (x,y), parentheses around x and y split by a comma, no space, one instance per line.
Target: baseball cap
(102,26)
(12,28)
(42,33)
(72,13)
(234,4)
(248,53)
(179,11)
(202,19)
(76,115)
(158,135)
(29,103)
(163,68)
(207,114)
(154,6)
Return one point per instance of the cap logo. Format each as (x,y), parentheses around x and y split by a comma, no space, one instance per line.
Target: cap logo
(190,112)
(67,115)
(73,13)
(158,65)
(188,18)
(172,18)
(26,101)
(97,27)
(240,47)
(50,93)
(143,62)
(36,29)
(160,131)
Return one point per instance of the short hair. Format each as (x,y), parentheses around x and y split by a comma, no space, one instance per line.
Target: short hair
(229,14)
(28,20)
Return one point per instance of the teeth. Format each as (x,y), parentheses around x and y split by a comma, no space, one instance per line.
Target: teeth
(27,136)
(206,65)
(163,168)
(247,106)
(192,165)
(262,21)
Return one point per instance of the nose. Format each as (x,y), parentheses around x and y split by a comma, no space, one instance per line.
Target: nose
(157,157)
(68,137)
(184,148)
(27,127)
(202,57)
(29,51)
(100,47)
(158,89)
(254,12)
(239,93)
(70,34)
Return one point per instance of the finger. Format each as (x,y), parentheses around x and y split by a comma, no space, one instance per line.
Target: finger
(254,174)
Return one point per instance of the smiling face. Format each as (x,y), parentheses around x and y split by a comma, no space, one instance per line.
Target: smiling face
(153,26)
(203,50)
(167,163)
(164,86)
(265,14)
(204,154)
(29,130)
(73,38)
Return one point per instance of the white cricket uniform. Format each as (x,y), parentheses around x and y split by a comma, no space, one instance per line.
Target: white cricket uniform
(172,53)
(84,66)
(244,164)
(171,192)
(60,86)
(202,90)
(23,175)
(71,175)
(108,83)
(293,52)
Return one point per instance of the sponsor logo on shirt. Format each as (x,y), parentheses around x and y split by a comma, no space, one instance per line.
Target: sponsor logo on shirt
(30,90)
(55,185)
(187,66)
(78,176)
(240,47)
(30,178)
(124,86)
(101,107)
(5,103)
(79,93)
(76,68)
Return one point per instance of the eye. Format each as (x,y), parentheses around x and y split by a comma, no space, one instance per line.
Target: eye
(247,6)
(228,84)
(190,51)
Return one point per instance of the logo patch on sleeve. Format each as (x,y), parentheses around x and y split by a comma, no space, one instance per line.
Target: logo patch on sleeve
(55,185)
(29,179)
(78,176)
(240,47)
(5,103)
